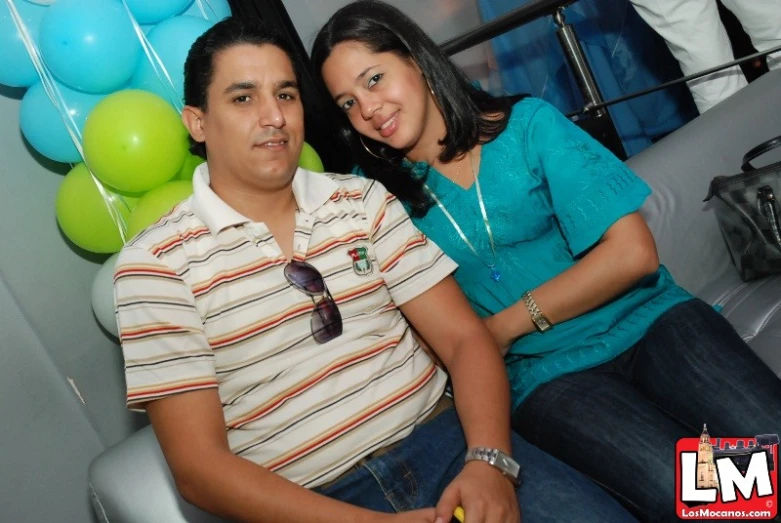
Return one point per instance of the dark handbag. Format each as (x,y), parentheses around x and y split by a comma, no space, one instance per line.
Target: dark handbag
(747,210)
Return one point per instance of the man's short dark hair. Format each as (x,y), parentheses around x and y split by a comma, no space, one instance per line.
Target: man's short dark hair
(199,66)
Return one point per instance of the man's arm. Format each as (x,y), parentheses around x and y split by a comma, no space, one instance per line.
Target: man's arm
(410,265)
(169,369)
(191,430)
(444,318)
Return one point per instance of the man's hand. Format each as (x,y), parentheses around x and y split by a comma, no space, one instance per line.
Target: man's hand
(426,515)
(484,493)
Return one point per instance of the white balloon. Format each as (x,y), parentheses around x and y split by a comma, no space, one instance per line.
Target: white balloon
(103,296)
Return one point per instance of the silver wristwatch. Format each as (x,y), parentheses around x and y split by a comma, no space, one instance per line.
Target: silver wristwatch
(498,459)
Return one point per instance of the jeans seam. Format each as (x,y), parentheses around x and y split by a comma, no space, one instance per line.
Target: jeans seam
(535,408)
(614,493)
(671,415)
(391,497)
(388,495)
(410,477)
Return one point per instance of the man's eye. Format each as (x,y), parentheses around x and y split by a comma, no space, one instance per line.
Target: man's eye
(287,96)
(241,99)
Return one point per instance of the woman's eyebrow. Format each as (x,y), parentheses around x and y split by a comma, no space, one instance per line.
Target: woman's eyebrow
(361,75)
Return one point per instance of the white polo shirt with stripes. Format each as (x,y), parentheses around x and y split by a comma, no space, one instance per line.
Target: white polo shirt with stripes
(202,302)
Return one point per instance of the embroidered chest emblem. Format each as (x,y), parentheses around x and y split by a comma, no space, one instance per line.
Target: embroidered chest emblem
(362,265)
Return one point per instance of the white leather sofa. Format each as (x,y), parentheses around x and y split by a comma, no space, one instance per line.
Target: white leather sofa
(131,483)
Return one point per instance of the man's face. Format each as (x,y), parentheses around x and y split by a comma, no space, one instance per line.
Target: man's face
(254,124)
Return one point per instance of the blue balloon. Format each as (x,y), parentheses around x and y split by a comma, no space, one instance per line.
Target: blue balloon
(171,40)
(16,68)
(211,10)
(43,125)
(89,45)
(153,11)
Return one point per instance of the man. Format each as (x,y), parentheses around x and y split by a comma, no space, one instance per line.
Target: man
(697,38)
(262,329)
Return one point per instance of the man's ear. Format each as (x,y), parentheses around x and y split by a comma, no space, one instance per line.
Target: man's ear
(192,118)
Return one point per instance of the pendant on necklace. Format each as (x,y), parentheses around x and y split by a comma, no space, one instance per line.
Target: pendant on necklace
(495,274)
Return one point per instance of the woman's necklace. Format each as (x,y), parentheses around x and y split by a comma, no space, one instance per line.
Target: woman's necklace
(495,274)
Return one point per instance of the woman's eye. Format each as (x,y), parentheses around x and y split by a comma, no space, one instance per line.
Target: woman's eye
(374,79)
(346,105)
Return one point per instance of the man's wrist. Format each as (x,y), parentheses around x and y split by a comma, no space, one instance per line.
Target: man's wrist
(499,460)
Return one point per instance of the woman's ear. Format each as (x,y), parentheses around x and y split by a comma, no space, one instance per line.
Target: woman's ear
(192,118)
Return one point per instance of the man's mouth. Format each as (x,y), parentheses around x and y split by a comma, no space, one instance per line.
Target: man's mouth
(272,144)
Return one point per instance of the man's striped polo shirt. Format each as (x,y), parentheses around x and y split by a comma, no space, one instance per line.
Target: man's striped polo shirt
(202,302)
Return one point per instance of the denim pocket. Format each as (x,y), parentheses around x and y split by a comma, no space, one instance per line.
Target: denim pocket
(397,481)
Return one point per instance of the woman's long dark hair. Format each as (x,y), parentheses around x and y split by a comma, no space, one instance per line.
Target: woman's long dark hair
(470,113)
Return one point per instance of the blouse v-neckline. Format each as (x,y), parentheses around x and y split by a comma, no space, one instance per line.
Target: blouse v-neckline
(454,190)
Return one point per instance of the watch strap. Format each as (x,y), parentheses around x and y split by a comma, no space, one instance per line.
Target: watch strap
(497,459)
(541,322)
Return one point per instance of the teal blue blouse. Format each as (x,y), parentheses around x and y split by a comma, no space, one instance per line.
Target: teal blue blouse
(550,192)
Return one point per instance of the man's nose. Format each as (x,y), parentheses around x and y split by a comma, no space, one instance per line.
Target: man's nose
(271,115)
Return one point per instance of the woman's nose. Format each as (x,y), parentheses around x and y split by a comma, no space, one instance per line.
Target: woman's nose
(369,107)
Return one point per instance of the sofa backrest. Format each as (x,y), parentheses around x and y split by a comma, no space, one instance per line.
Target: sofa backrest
(680,167)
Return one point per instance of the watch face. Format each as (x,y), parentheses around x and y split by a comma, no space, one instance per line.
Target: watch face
(542,323)
(510,466)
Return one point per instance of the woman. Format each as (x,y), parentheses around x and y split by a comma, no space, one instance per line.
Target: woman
(610,361)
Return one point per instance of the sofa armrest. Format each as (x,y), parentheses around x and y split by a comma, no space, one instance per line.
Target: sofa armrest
(131,483)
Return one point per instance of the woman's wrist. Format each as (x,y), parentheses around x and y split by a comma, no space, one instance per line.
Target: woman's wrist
(521,322)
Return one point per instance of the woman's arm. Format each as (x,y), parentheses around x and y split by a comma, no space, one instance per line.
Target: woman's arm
(625,254)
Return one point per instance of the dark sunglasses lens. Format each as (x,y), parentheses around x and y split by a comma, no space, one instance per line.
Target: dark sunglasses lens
(326,321)
(305,277)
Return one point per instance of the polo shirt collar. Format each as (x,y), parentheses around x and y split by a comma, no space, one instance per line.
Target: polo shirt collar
(312,191)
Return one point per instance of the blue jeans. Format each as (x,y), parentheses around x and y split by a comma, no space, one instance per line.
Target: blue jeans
(618,423)
(414,474)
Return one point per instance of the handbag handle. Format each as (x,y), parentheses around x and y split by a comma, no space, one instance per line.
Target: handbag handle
(758,151)
(768,208)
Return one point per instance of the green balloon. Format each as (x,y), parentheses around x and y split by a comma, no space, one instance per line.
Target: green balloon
(129,200)
(310,160)
(134,141)
(83,214)
(156,203)
(188,167)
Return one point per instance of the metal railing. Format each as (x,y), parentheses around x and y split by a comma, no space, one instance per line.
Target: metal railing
(515,18)
(602,126)
(572,50)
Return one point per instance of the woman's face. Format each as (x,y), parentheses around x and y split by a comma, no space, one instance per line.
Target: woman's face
(385,97)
